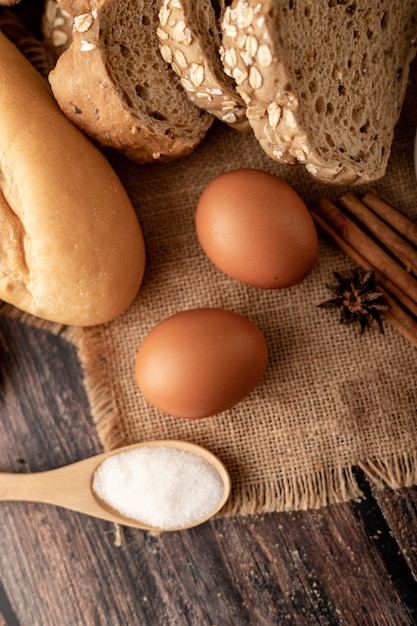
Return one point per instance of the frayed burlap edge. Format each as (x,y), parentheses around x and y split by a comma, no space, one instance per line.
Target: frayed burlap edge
(313,491)
(12,312)
(91,354)
(395,472)
(99,388)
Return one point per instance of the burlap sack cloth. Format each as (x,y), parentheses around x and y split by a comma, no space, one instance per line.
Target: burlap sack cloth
(330,400)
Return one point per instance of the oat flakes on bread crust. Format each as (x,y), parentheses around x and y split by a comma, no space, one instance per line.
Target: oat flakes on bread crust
(323,81)
(189,40)
(56,27)
(113,83)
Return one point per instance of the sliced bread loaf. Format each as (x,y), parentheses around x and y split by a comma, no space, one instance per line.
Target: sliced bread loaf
(113,83)
(189,39)
(324,81)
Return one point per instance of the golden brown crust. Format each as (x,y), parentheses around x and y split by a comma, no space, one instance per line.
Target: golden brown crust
(75,252)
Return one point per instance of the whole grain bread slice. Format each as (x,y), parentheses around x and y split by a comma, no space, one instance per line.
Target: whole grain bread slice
(113,83)
(189,39)
(323,80)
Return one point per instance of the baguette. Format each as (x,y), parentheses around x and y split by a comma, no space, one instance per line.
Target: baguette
(113,83)
(72,249)
(323,81)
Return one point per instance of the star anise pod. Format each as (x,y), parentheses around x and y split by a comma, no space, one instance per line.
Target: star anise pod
(358,298)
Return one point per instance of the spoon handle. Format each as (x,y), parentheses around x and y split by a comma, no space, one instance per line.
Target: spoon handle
(49,487)
(68,486)
(20,487)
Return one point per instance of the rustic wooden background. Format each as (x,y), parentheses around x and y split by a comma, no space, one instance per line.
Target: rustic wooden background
(354,563)
(350,564)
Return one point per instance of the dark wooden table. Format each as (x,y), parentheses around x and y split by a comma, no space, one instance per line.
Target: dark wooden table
(354,563)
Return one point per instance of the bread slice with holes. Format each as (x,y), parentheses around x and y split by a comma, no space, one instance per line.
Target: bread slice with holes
(113,83)
(324,81)
(189,40)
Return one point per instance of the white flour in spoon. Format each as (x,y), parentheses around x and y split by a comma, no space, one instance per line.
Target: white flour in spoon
(160,486)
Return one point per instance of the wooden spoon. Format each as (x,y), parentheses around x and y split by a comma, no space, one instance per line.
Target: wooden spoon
(70,486)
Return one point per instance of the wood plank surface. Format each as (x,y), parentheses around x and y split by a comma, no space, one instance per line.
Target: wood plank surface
(354,563)
(350,564)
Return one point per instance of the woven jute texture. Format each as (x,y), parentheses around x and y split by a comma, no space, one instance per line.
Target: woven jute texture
(331,399)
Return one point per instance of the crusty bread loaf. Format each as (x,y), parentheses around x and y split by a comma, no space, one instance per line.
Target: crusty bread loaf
(189,39)
(113,83)
(323,81)
(72,250)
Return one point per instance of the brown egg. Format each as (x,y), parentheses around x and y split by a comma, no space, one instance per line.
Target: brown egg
(256,228)
(200,362)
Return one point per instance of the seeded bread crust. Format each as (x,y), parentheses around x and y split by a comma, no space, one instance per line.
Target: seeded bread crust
(56,27)
(189,40)
(113,83)
(330,98)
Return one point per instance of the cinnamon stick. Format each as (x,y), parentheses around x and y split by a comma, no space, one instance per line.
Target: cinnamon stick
(392,216)
(397,246)
(399,318)
(367,247)
(382,280)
